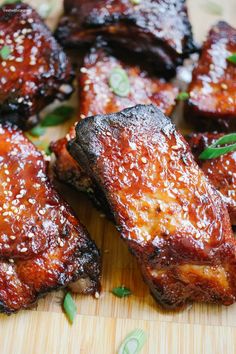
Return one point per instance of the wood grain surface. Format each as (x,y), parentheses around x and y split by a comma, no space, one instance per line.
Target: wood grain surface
(101,324)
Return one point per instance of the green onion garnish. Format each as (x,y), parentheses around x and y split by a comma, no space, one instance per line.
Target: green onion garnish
(182,96)
(11,2)
(213,151)
(213,8)
(5,51)
(119,82)
(232,58)
(58,116)
(37,131)
(69,307)
(48,150)
(121,291)
(135,2)
(133,343)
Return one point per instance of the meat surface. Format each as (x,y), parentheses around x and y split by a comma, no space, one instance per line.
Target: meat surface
(42,245)
(170,216)
(97,97)
(221,171)
(212,102)
(157,30)
(36,70)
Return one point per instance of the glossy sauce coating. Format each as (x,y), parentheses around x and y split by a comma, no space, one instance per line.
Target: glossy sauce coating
(171,217)
(212,102)
(36,71)
(158,29)
(97,97)
(220,171)
(42,244)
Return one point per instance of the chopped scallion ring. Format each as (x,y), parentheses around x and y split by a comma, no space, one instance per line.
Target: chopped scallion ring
(133,343)
(119,82)
(213,151)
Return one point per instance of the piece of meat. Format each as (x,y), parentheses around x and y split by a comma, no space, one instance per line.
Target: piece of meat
(170,216)
(35,72)
(42,245)
(212,102)
(221,171)
(157,30)
(96,97)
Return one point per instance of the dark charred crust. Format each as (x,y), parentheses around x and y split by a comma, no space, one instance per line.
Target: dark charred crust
(159,30)
(43,246)
(170,216)
(211,106)
(37,70)
(96,97)
(220,171)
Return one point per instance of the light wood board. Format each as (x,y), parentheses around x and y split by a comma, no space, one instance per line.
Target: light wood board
(102,324)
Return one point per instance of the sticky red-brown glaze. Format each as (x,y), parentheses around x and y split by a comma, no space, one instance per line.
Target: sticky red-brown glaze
(158,29)
(171,217)
(220,171)
(97,97)
(212,102)
(42,244)
(37,70)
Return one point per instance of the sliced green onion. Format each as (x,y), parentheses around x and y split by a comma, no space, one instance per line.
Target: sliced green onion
(48,150)
(5,51)
(232,58)
(213,8)
(119,82)
(213,151)
(58,116)
(136,2)
(44,10)
(37,131)
(182,96)
(11,2)
(121,291)
(69,307)
(133,343)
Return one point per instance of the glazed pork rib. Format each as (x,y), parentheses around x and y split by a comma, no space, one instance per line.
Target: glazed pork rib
(212,102)
(221,171)
(42,245)
(170,216)
(97,97)
(157,30)
(34,68)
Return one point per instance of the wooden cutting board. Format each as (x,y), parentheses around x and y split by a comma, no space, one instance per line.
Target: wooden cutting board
(101,324)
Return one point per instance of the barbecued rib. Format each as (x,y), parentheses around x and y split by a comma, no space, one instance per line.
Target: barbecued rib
(157,30)
(97,97)
(34,68)
(42,245)
(221,171)
(212,102)
(170,216)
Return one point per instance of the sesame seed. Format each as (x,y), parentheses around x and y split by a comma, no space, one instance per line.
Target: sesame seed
(175,147)
(24,249)
(143,159)
(30,234)
(11,260)
(120,169)
(96,295)
(60,242)
(200,224)
(224,86)
(12,68)
(12,237)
